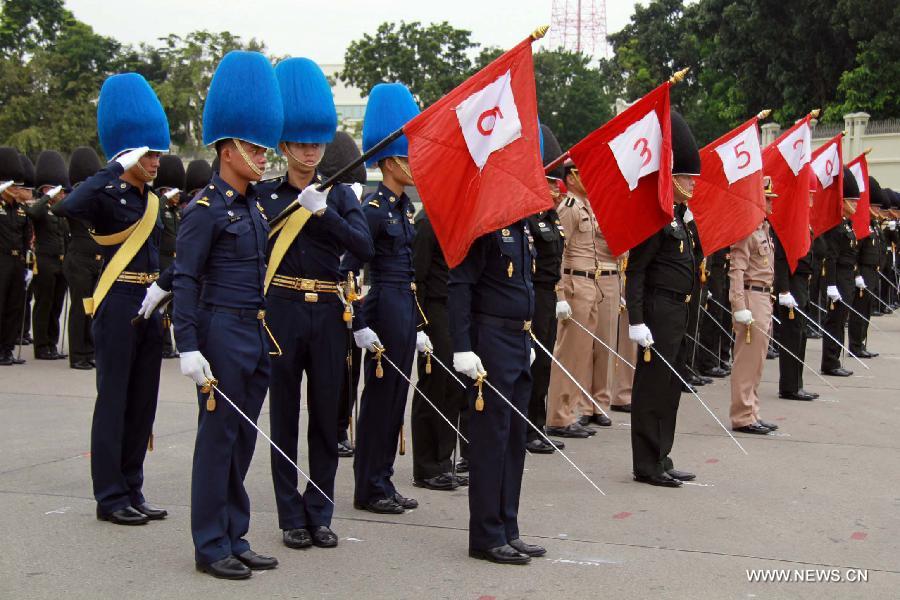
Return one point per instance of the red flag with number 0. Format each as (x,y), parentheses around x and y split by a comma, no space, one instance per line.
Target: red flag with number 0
(828,172)
(859,166)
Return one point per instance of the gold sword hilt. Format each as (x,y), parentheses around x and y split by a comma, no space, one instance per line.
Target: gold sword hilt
(749,327)
(209,388)
(479,399)
(791,313)
(647,353)
(427,362)
(379,370)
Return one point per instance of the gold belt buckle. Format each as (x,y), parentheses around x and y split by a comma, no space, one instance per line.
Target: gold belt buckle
(526,326)
(311,297)
(15,252)
(307,285)
(687,299)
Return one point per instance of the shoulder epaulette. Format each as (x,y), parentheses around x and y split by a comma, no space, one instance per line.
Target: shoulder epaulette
(374,202)
(279,179)
(570,202)
(204,201)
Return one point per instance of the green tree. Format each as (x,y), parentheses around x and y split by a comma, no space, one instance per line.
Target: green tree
(29,24)
(430,60)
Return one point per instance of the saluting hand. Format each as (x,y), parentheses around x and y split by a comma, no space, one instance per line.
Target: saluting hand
(131,158)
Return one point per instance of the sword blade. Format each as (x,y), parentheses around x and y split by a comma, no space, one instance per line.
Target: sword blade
(715,320)
(858,314)
(569,375)
(889,282)
(794,356)
(604,344)
(831,337)
(880,301)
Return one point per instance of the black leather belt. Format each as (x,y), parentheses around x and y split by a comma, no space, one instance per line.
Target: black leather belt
(513,324)
(242,313)
(758,288)
(589,274)
(670,294)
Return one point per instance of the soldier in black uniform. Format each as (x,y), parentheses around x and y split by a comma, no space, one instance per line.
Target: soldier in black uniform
(15,237)
(50,232)
(196,176)
(660,277)
(687,355)
(549,242)
(866,280)
(169,184)
(81,265)
(840,274)
(711,335)
(25,338)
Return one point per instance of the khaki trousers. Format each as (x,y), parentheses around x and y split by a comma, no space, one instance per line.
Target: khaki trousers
(749,360)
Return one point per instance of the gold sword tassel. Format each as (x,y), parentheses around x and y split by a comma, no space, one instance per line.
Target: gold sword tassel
(207,388)
(479,400)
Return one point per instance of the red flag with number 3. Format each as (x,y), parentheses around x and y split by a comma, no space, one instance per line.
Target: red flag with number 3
(786,161)
(828,174)
(728,202)
(626,168)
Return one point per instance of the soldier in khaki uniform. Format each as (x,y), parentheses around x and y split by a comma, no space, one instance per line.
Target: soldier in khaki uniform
(590,285)
(752,274)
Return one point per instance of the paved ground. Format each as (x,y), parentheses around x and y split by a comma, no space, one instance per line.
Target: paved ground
(823,494)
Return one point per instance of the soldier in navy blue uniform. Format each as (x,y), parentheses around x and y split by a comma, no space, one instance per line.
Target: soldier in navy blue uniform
(304,304)
(660,278)
(389,317)
(133,130)
(491,303)
(219,314)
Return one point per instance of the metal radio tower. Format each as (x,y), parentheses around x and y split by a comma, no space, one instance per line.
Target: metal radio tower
(579,26)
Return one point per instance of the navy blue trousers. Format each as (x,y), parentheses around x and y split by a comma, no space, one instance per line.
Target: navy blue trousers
(497,436)
(312,336)
(128,362)
(391,313)
(237,350)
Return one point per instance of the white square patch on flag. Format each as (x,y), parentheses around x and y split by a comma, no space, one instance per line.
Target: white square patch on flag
(797,148)
(827,165)
(489,119)
(741,156)
(856,169)
(637,149)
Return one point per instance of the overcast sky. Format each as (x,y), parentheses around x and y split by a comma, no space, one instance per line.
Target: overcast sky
(321,30)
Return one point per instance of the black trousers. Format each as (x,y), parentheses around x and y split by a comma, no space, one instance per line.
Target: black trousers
(836,319)
(792,334)
(164,263)
(687,354)
(81,272)
(433,440)
(349,386)
(657,390)
(12,299)
(857,328)
(817,292)
(543,325)
(711,336)
(49,294)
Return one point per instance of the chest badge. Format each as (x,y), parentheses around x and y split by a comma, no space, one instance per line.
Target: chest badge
(505,232)
(122,201)
(274,196)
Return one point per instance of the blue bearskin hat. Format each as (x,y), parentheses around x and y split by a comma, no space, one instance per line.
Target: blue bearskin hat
(243,101)
(390,107)
(130,116)
(309,113)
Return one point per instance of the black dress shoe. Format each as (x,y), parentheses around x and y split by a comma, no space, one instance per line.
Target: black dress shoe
(323,537)
(681,475)
(345,450)
(6,360)
(296,538)
(407,503)
(43,354)
(257,562)
(771,426)
(462,465)
(81,365)
(589,430)
(442,482)
(461,480)
(771,354)
(877,313)
(663,480)
(839,372)
(503,555)
(59,355)
(753,428)
(539,446)
(798,395)
(382,506)
(227,568)
(584,420)
(867,354)
(152,512)
(695,380)
(532,550)
(625,408)
(124,516)
(688,389)
(18,361)
(572,430)
(717,372)
(813,394)
(706,380)
(601,420)
(813,334)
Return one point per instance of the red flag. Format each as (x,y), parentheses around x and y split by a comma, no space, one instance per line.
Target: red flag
(828,173)
(786,161)
(728,202)
(626,168)
(859,166)
(475,154)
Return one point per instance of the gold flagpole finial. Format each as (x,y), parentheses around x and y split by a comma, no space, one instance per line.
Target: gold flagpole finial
(764,114)
(814,113)
(540,32)
(844,132)
(679,76)
(867,150)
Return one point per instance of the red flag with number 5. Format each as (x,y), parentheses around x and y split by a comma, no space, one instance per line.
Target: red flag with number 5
(626,168)
(728,202)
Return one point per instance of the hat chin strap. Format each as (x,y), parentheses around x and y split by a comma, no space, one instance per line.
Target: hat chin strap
(246,157)
(290,155)
(403,167)
(143,171)
(683,191)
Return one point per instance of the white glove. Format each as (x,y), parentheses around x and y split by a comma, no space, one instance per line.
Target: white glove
(860,282)
(29,275)
(357,188)
(833,294)
(152,298)
(195,366)
(688,216)
(171,193)
(640,334)
(131,158)
(54,192)
(563,310)
(533,356)
(892,225)
(468,364)
(743,316)
(787,299)
(366,339)
(423,342)
(5,186)
(312,199)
